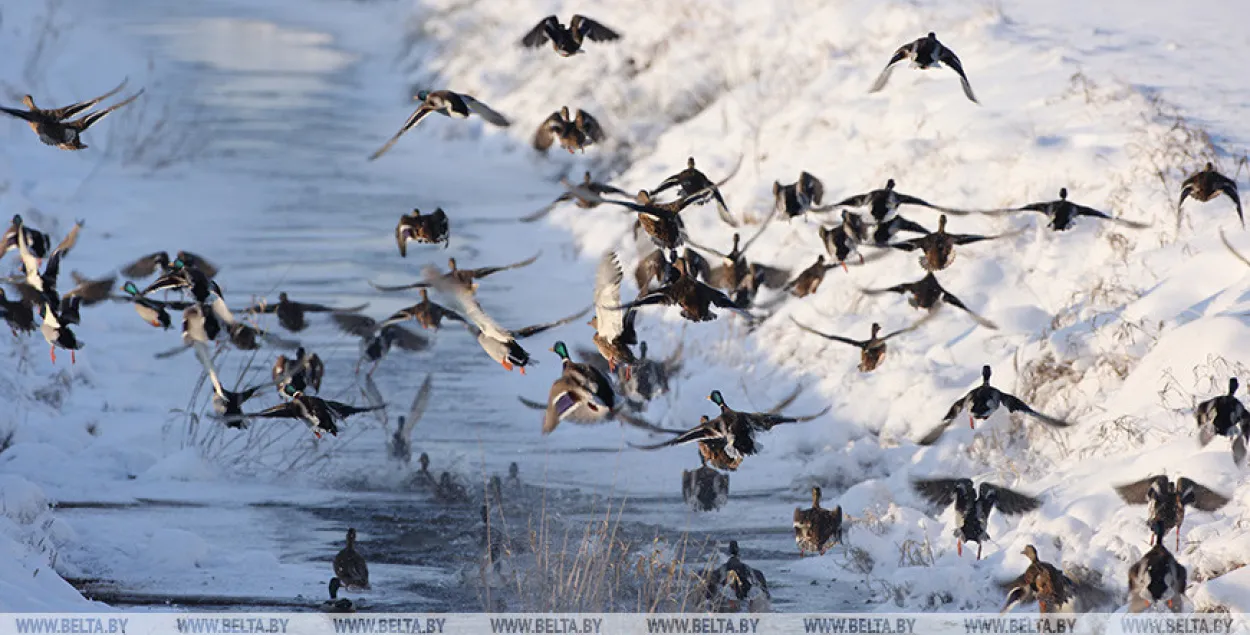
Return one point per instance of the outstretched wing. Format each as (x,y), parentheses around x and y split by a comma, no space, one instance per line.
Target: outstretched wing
(541,32)
(1014,404)
(835,338)
(485,112)
(413,119)
(529,218)
(1089,211)
(355,324)
(1138,492)
(899,55)
(950,299)
(592,29)
(546,133)
(609,321)
(1009,501)
(1200,496)
(949,58)
(486,271)
(60,114)
(907,329)
(285,410)
(589,125)
(539,328)
(940,491)
(953,411)
(859,200)
(468,305)
(699,433)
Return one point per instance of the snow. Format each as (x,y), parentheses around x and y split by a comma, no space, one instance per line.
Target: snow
(1122,331)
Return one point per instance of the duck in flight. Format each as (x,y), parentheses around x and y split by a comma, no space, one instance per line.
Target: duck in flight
(448,104)
(567,41)
(925,53)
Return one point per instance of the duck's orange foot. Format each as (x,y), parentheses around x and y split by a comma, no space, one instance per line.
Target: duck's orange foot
(971,423)
(522,369)
(959,547)
(507,365)
(73,359)
(843,263)
(1169,603)
(52,353)
(628,372)
(316,434)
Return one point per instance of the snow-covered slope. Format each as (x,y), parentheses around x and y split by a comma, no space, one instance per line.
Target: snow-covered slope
(1119,330)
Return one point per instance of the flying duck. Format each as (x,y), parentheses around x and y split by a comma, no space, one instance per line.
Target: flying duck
(1063,213)
(1225,416)
(927,293)
(736,429)
(291,313)
(37,242)
(937,249)
(647,378)
(614,327)
(599,189)
(427,313)
(926,52)
(883,204)
(581,393)
(320,415)
(800,197)
(448,104)
(187,278)
(567,41)
(983,401)
(377,338)
(19,315)
(1156,577)
(159,261)
(90,291)
(40,287)
(58,334)
(462,277)
(704,489)
(661,221)
(153,311)
(1042,582)
(573,133)
(1205,185)
(808,280)
(350,567)
(973,505)
(1166,501)
(735,586)
(871,350)
(54,126)
(227,404)
(428,229)
(736,272)
(400,444)
(693,297)
(691,181)
(816,528)
(304,370)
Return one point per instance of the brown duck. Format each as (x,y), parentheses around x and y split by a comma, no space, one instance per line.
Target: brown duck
(1042,582)
(694,297)
(871,350)
(573,133)
(1205,185)
(428,229)
(599,189)
(54,126)
(809,280)
(429,315)
(927,293)
(938,248)
(816,528)
(463,277)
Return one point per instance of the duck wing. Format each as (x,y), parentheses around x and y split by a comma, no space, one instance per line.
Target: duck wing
(486,271)
(545,135)
(836,338)
(91,291)
(415,118)
(609,321)
(955,408)
(539,328)
(1089,211)
(1014,404)
(405,339)
(144,266)
(1229,188)
(60,114)
(343,410)
(934,434)
(399,287)
(759,232)
(24,115)
(529,218)
(698,433)
(541,32)
(859,200)
(355,324)
(1138,492)
(1199,496)
(484,111)
(948,57)
(915,325)
(1009,501)
(284,410)
(901,54)
(590,126)
(469,307)
(950,299)
(941,491)
(587,27)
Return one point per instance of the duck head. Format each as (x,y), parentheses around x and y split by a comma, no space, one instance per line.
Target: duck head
(1063,193)
(1232,386)
(424,460)
(985,374)
(889,184)
(282,297)
(129,288)
(451,264)
(643,197)
(815,496)
(690,163)
(733,548)
(335,585)
(931,36)
(560,349)
(719,400)
(876,329)
(942,223)
(422,95)
(290,391)
(1030,552)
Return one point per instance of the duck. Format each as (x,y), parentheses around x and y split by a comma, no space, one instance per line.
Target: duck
(843,240)
(499,343)
(448,104)
(303,371)
(1062,213)
(736,429)
(661,221)
(643,380)
(800,197)
(1205,185)
(735,270)
(1225,416)
(58,334)
(973,505)
(199,325)
(808,280)
(614,328)
(704,489)
(735,585)
(55,126)
(816,528)
(320,415)
(691,181)
(567,41)
(982,402)
(37,242)
(1156,577)
(187,278)
(884,232)
(350,567)
(573,132)
(449,491)
(153,311)
(693,297)
(291,313)
(160,261)
(336,604)
(1042,582)
(587,184)
(1166,501)
(377,338)
(429,229)
(244,336)
(871,350)
(883,204)
(400,445)
(227,404)
(464,277)
(18,314)
(423,477)
(40,287)
(428,314)
(937,249)
(925,53)
(514,475)
(927,293)
(581,393)
(714,450)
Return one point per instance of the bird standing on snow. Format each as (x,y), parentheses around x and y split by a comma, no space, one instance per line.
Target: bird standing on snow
(926,52)
(448,104)
(567,41)
(349,566)
(735,585)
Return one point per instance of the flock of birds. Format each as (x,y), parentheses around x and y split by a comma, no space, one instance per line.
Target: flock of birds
(615,379)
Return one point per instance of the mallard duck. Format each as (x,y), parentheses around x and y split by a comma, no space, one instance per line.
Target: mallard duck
(842,241)
(153,311)
(464,277)
(581,394)
(573,133)
(199,325)
(1042,582)
(661,221)
(871,350)
(336,604)
(800,197)
(973,505)
(377,338)
(1205,185)
(926,52)
(691,181)
(885,232)
(816,528)
(1156,577)
(427,313)
(883,204)
(982,402)
(320,415)
(58,334)
(938,248)
(694,297)
(735,585)
(1167,500)
(927,293)
(244,336)
(1225,416)
(37,242)
(159,261)
(40,287)
(304,370)
(187,278)
(19,315)
(599,189)
(808,280)
(291,313)
(449,491)
(1063,213)
(567,41)
(736,429)
(350,567)
(400,445)
(614,328)
(429,229)
(499,343)
(704,489)
(54,126)
(735,271)
(227,404)
(448,104)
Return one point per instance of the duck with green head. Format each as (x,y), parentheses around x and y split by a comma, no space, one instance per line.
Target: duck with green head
(582,393)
